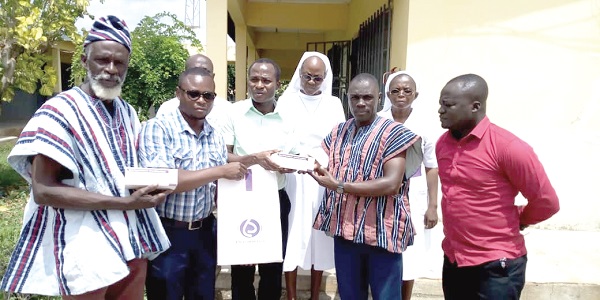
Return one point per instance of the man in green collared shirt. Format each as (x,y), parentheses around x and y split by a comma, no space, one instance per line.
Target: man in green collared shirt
(255,131)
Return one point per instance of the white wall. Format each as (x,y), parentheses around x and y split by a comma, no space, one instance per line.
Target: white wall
(541,59)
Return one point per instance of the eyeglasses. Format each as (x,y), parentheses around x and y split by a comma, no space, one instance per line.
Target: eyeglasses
(407,92)
(309,77)
(195,95)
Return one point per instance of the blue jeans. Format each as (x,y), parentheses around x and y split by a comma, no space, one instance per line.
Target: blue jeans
(188,268)
(359,266)
(496,280)
(269,286)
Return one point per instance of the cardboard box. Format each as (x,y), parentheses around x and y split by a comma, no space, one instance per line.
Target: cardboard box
(136,178)
(293,161)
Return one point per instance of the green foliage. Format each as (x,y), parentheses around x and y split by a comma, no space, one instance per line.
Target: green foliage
(157,59)
(9,179)
(282,87)
(28,29)
(13,196)
(27,297)
(231,82)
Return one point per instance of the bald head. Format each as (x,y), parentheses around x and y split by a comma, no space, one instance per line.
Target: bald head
(462,104)
(472,85)
(314,62)
(312,74)
(199,61)
(366,78)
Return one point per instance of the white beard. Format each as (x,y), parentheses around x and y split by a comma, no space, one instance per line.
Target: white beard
(101,91)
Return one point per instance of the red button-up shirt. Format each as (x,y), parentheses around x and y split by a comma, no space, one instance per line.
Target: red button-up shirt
(481,174)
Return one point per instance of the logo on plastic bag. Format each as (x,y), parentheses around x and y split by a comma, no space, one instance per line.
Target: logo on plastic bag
(249,228)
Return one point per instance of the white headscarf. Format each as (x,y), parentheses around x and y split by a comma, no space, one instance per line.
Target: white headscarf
(295,84)
(387,103)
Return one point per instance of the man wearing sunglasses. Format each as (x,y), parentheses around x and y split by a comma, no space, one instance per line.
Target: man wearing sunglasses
(184,139)
(218,114)
(255,131)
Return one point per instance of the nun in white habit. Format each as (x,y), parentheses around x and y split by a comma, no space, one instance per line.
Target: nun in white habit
(400,93)
(308,103)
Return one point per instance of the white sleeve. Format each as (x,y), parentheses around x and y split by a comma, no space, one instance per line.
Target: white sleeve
(167,107)
(429,159)
(227,129)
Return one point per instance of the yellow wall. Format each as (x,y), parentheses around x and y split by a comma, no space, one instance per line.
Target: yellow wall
(360,10)
(399,34)
(216,42)
(542,64)
(282,15)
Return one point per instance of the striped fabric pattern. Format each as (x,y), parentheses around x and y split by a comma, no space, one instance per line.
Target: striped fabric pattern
(109,28)
(70,252)
(356,155)
(167,141)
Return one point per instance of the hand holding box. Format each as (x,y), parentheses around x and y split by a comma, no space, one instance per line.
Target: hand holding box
(293,161)
(136,178)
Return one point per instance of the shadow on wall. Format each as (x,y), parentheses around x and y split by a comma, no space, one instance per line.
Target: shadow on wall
(21,108)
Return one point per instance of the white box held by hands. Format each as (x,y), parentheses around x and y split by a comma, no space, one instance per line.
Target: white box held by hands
(136,178)
(293,161)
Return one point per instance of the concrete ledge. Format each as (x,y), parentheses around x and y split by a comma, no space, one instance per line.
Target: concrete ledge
(12,129)
(560,291)
(328,284)
(7,139)
(426,289)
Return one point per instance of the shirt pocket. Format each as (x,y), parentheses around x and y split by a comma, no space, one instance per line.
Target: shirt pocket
(216,159)
(183,158)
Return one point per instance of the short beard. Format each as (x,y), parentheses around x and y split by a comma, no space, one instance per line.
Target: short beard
(102,92)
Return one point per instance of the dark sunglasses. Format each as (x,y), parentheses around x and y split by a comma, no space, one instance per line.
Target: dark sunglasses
(195,95)
(309,77)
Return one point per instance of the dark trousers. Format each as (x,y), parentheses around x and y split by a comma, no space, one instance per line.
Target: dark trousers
(269,286)
(360,266)
(188,268)
(498,279)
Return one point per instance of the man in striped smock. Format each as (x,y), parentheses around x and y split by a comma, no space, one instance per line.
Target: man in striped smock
(85,236)
(365,206)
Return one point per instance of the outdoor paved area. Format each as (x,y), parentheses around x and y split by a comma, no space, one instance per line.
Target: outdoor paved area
(563,265)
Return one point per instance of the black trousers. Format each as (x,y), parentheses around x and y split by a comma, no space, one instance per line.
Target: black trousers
(269,286)
(499,279)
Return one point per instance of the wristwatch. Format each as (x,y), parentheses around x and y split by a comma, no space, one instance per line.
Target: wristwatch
(340,188)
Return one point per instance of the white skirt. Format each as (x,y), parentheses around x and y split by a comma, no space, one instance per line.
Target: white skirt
(306,247)
(414,258)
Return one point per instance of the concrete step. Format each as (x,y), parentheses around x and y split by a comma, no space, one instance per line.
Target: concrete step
(7,139)
(424,289)
(562,265)
(427,289)
(11,129)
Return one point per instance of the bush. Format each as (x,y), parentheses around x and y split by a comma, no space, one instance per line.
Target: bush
(14,192)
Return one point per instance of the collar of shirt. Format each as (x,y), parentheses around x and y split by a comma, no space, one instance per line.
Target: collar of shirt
(480,128)
(249,107)
(183,125)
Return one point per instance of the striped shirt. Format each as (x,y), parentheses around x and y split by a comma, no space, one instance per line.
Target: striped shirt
(356,155)
(168,141)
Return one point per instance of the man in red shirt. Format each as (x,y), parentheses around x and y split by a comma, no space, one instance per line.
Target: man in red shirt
(482,167)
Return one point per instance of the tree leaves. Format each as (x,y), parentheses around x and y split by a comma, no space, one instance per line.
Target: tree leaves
(28,29)
(157,59)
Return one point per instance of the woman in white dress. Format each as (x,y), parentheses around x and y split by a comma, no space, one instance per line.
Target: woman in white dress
(308,103)
(400,92)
